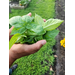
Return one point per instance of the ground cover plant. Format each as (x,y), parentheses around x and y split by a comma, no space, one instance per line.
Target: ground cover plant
(45,8)
(37,63)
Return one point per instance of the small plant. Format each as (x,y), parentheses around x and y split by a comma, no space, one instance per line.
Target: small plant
(23,2)
(62,42)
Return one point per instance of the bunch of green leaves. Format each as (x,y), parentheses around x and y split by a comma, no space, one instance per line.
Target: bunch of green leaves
(32,29)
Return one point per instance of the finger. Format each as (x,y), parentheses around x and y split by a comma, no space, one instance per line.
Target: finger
(44,20)
(30,49)
(10,32)
(11,28)
(29,14)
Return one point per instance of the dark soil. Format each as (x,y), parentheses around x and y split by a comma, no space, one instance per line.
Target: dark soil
(60,51)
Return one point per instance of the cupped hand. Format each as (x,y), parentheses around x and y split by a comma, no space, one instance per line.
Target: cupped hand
(20,50)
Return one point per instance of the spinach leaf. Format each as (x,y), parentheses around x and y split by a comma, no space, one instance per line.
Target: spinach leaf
(51,24)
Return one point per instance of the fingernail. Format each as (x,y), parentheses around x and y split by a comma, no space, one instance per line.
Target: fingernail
(43,42)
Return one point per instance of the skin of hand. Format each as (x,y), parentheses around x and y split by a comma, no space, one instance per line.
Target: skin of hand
(20,50)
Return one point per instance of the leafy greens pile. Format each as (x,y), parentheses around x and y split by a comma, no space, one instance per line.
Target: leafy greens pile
(32,29)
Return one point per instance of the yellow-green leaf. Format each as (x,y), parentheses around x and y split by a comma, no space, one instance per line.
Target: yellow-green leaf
(13,39)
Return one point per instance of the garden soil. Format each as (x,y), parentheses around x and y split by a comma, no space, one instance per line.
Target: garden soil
(60,51)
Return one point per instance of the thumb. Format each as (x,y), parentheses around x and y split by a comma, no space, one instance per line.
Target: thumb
(35,47)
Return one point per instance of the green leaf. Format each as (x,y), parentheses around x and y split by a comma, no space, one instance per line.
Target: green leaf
(35,29)
(15,20)
(27,18)
(13,39)
(37,38)
(51,24)
(50,35)
(21,39)
(18,30)
(30,39)
(38,19)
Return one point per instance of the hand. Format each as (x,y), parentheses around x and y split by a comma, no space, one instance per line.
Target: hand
(20,50)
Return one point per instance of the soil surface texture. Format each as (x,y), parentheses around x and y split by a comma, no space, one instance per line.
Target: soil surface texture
(60,51)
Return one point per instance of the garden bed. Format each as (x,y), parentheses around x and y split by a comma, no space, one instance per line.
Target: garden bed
(60,51)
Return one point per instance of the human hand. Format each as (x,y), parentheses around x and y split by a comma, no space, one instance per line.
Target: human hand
(20,50)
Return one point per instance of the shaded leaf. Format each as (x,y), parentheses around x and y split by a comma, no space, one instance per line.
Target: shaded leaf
(50,35)
(18,30)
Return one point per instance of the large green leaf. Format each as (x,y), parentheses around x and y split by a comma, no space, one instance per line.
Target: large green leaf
(52,24)
(35,29)
(27,18)
(15,20)
(18,30)
(50,35)
(13,39)
(38,19)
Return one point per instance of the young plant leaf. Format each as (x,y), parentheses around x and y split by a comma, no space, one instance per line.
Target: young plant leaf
(38,19)
(15,20)
(27,18)
(37,38)
(50,35)
(52,24)
(21,39)
(13,39)
(18,30)
(35,29)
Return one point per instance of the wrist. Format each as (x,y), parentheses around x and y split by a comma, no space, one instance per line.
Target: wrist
(11,58)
